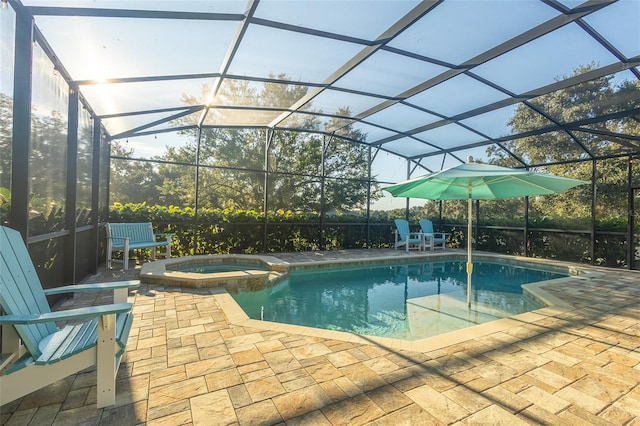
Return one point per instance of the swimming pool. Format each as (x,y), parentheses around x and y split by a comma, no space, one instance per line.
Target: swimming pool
(407,301)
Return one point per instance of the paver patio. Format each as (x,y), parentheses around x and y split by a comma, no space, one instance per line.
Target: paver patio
(187,363)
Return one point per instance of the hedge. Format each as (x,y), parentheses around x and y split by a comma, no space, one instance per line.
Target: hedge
(242,231)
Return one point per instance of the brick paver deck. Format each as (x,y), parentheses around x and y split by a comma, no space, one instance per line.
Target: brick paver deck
(186,363)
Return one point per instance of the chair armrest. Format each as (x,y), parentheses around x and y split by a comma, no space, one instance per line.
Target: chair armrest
(71,314)
(167,236)
(92,287)
(436,234)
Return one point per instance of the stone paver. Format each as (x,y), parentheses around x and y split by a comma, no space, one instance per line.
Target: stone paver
(187,363)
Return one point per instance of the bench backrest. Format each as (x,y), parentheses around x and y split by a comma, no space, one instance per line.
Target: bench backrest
(20,289)
(136,232)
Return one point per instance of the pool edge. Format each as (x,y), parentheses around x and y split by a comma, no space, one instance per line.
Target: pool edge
(553,306)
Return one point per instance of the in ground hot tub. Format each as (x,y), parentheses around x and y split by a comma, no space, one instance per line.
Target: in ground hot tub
(235,272)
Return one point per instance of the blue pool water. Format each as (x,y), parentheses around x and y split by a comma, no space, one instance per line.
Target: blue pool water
(213,267)
(406,301)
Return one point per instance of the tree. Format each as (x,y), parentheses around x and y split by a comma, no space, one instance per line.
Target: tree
(580,102)
(233,158)
(132,181)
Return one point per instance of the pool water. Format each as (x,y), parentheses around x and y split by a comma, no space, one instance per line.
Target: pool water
(406,301)
(214,267)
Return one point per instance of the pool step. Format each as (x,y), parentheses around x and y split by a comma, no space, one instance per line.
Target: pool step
(440,313)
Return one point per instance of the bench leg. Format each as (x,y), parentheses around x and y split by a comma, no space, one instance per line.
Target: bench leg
(125,255)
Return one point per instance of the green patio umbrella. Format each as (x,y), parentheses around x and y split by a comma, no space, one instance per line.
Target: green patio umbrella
(475,181)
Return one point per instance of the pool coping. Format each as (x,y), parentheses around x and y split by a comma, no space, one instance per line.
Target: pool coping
(554,305)
(159,272)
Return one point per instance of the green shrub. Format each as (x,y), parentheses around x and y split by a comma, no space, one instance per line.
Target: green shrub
(242,231)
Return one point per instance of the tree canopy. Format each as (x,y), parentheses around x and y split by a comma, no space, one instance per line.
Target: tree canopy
(232,159)
(575,106)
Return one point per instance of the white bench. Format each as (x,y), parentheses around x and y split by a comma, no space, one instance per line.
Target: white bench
(131,236)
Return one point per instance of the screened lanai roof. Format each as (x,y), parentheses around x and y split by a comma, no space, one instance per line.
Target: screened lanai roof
(423,80)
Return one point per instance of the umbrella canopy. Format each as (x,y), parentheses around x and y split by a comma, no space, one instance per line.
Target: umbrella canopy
(475,181)
(481,182)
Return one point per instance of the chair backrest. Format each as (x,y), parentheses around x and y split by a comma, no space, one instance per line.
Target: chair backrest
(426,226)
(20,288)
(403,228)
(136,232)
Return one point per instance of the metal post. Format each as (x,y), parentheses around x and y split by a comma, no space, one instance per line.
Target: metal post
(197,188)
(526,227)
(469,245)
(368,226)
(594,187)
(265,205)
(21,136)
(325,146)
(406,209)
(96,157)
(631,258)
(71,186)
(108,182)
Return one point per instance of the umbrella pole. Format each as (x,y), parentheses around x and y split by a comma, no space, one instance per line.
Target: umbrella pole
(469,246)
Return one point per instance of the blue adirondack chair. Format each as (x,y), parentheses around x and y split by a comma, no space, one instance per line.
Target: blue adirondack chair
(404,237)
(35,352)
(432,239)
